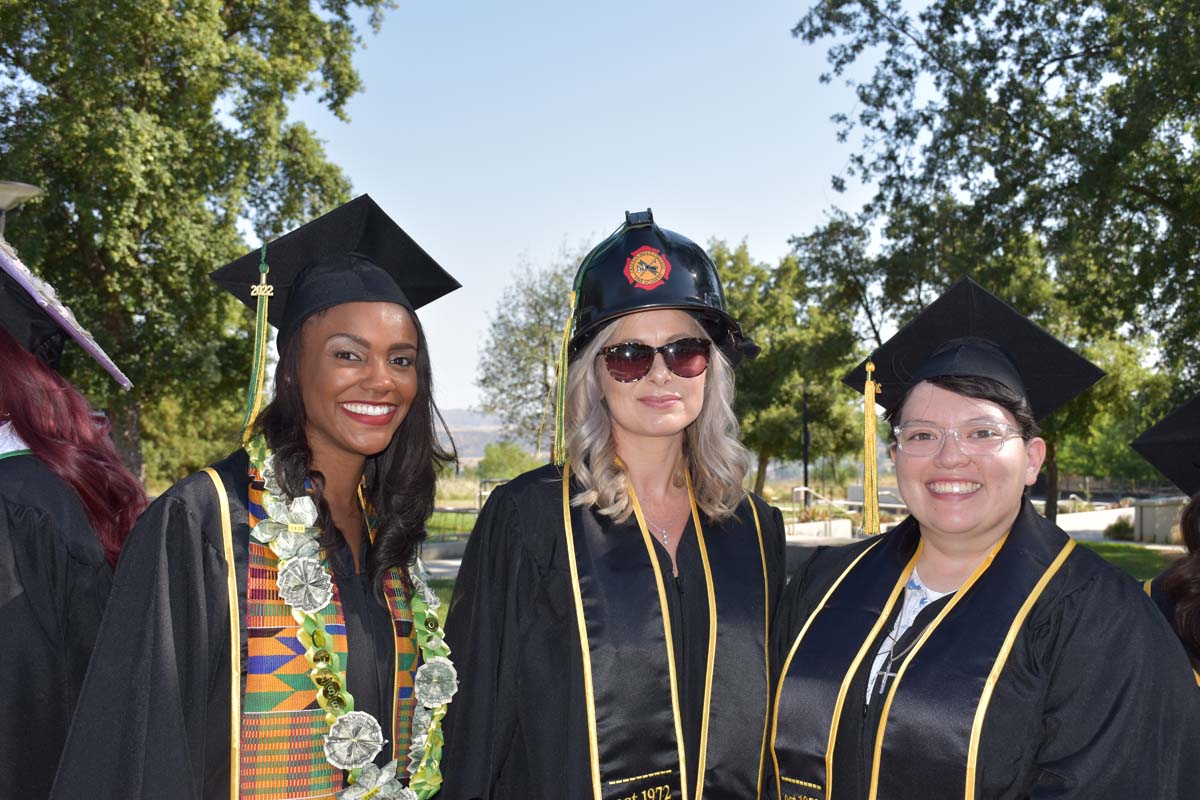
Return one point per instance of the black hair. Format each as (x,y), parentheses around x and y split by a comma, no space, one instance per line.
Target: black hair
(401,481)
(1182,581)
(979,388)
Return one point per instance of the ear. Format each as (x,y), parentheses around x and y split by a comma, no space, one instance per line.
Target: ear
(1035,452)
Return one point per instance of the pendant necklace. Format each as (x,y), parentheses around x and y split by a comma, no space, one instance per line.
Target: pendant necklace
(892,657)
(661,531)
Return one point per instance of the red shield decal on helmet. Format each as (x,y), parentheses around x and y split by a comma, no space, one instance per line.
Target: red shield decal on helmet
(647,268)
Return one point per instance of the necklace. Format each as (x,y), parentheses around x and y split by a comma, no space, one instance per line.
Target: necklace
(885,670)
(661,529)
(305,585)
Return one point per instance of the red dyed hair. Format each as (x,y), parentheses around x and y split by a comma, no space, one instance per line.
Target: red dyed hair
(56,422)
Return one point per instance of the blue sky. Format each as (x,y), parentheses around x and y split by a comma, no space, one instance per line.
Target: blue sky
(497,134)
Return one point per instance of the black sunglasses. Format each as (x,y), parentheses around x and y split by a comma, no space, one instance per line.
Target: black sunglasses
(631,361)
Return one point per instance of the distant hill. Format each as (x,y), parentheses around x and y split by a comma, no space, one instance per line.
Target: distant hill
(472,431)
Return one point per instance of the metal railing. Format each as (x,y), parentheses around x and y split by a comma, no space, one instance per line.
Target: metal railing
(450,524)
(846,506)
(486,485)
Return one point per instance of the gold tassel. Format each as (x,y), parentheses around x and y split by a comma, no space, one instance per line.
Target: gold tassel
(263,291)
(558,453)
(870,457)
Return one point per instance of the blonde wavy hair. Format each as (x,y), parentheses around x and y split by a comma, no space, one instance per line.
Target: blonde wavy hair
(712,451)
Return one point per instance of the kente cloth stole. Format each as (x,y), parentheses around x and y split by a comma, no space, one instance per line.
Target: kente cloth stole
(283,727)
(630,678)
(936,697)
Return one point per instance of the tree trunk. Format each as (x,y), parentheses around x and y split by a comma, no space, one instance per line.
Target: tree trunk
(125,416)
(1051,467)
(760,479)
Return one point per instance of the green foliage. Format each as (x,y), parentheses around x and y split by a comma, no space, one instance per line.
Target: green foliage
(506,460)
(1130,399)
(517,362)
(1069,122)
(923,251)
(805,348)
(154,128)
(1120,529)
(178,441)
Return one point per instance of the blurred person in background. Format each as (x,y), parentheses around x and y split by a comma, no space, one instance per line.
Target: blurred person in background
(66,505)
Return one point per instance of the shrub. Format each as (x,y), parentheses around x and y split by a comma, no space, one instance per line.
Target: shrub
(1120,529)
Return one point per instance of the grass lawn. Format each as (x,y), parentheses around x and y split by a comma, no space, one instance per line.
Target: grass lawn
(1140,562)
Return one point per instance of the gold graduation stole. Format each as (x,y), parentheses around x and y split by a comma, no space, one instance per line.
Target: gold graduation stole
(934,709)
(631,690)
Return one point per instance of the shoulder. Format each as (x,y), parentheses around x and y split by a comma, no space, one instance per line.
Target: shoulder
(535,489)
(820,566)
(26,479)
(192,503)
(1090,594)
(41,499)
(770,518)
(1084,573)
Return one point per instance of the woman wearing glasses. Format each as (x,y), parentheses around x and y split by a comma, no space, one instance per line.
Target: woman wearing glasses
(610,618)
(974,651)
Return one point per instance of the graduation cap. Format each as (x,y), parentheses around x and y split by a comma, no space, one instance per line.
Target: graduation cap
(31,313)
(355,253)
(1173,446)
(967,331)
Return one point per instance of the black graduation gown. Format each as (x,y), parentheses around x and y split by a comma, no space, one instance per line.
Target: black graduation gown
(1096,699)
(517,727)
(54,582)
(153,719)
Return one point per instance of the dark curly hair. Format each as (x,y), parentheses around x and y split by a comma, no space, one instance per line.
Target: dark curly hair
(1181,583)
(400,482)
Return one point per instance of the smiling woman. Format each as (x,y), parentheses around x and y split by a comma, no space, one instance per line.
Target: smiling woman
(974,651)
(271,617)
(611,607)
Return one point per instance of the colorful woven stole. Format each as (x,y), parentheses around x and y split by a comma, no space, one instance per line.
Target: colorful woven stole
(283,727)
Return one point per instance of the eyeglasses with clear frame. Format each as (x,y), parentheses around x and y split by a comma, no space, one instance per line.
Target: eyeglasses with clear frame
(924,439)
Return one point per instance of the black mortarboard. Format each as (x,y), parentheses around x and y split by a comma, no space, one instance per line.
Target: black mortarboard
(1173,446)
(354,253)
(31,313)
(969,331)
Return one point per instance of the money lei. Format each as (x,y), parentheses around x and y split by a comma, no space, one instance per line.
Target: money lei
(305,585)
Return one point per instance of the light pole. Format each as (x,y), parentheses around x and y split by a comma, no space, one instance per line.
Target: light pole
(807,440)
(12,195)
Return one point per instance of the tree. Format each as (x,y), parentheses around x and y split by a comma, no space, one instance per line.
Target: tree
(1070,121)
(1132,398)
(923,249)
(155,128)
(519,357)
(502,460)
(805,349)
